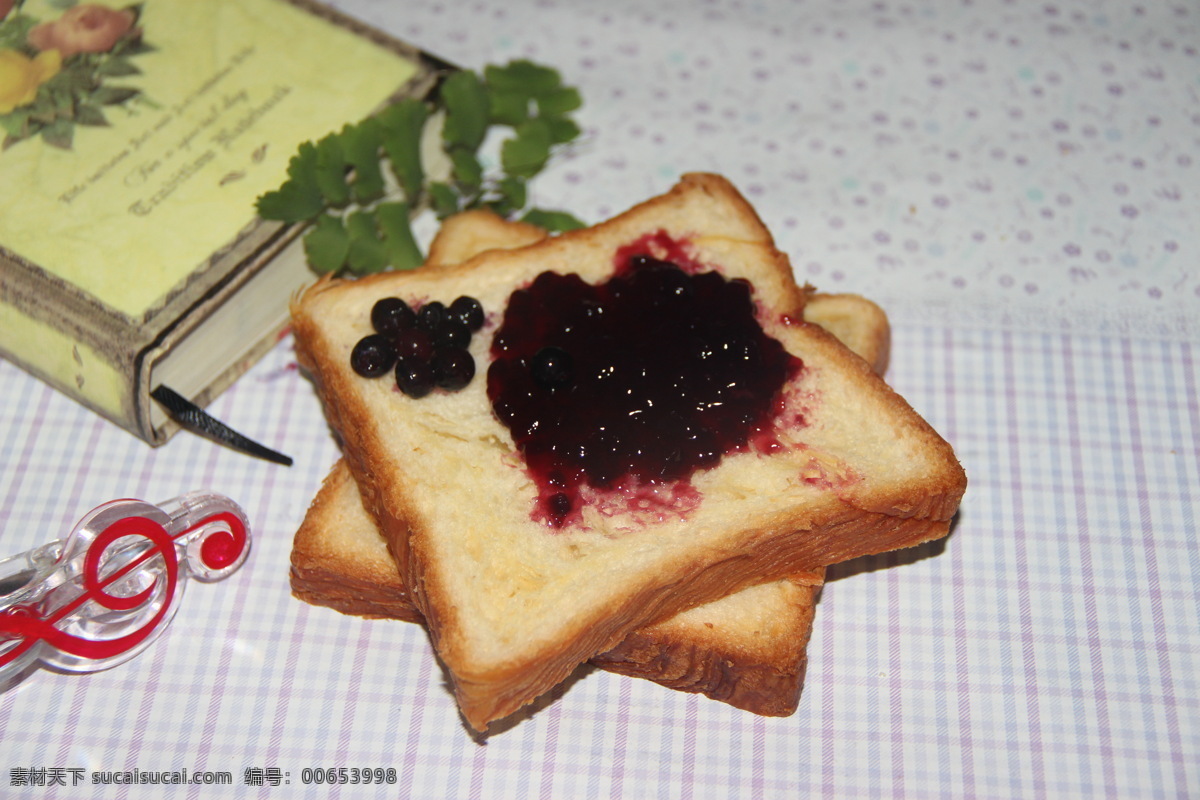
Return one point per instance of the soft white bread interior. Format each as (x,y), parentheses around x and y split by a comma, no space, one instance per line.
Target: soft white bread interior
(512,607)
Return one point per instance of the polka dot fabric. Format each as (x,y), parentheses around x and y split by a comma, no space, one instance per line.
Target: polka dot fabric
(996,163)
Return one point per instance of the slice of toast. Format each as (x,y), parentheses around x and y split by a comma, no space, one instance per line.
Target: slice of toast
(747,649)
(513,607)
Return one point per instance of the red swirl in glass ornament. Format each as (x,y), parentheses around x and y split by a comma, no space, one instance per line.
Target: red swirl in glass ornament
(101,595)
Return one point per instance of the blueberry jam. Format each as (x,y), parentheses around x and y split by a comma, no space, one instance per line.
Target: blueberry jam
(638,381)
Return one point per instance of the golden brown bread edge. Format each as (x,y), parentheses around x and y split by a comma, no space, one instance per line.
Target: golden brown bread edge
(830,530)
(340,561)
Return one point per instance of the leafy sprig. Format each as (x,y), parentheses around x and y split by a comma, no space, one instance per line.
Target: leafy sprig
(358,188)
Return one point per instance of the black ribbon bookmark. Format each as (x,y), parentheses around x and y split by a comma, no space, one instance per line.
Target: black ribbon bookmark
(191,417)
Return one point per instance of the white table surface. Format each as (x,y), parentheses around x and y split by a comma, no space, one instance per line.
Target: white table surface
(1016,183)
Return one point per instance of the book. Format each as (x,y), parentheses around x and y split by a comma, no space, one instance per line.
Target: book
(136,140)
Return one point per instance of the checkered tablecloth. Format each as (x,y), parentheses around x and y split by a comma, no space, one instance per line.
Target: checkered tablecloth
(1015,183)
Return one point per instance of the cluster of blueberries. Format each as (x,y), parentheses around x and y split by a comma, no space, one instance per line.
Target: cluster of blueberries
(425,348)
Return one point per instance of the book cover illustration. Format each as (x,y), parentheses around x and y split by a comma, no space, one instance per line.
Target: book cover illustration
(65,71)
(136,139)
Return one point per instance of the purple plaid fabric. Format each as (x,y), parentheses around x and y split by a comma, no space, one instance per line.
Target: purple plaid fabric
(1013,183)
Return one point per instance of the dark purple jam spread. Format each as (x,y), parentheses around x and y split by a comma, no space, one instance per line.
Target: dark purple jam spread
(638,381)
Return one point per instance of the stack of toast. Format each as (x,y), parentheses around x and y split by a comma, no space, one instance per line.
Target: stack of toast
(432,514)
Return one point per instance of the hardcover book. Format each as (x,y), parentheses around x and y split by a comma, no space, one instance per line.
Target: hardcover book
(136,140)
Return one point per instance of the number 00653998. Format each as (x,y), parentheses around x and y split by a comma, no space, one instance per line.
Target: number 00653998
(339,775)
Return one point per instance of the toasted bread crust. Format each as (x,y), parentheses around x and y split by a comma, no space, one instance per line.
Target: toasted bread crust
(469,233)
(768,544)
(333,566)
(856,322)
(768,684)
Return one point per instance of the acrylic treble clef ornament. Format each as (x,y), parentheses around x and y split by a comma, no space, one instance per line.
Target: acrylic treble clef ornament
(101,595)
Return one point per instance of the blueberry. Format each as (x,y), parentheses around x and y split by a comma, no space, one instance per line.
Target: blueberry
(469,311)
(452,333)
(431,315)
(391,315)
(372,356)
(414,377)
(453,368)
(664,282)
(414,344)
(553,368)
(559,505)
